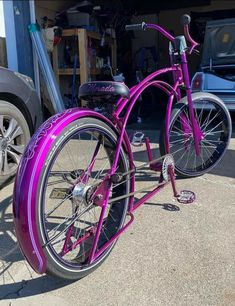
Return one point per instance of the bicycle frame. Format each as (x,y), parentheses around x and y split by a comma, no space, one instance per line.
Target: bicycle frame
(181,78)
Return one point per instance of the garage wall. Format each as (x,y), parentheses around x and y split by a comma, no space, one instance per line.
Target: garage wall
(171,19)
(144,39)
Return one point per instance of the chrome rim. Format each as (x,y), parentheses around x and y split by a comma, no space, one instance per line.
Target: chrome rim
(12,144)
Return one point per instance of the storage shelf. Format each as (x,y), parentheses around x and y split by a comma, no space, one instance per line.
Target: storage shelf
(81,44)
(91,34)
(77,32)
(69,71)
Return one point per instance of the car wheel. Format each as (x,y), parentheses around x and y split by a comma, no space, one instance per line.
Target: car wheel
(14,135)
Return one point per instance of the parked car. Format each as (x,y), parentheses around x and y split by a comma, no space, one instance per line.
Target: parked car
(217,73)
(20,116)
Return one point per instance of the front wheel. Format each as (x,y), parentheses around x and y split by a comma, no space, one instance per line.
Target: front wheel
(214,126)
(67,216)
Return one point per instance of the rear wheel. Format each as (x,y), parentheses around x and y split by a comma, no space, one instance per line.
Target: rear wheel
(214,122)
(66,212)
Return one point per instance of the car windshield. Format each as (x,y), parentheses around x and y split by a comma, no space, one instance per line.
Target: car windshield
(219,43)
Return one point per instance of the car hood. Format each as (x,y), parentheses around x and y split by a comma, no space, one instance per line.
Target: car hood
(219,43)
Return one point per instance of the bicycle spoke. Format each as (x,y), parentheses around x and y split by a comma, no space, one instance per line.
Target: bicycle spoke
(72,219)
(214,128)
(70,223)
(179,141)
(214,125)
(213,133)
(206,121)
(188,155)
(209,144)
(204,127)
(58,205)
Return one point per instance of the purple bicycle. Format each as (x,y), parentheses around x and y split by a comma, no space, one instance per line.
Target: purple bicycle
(75,187)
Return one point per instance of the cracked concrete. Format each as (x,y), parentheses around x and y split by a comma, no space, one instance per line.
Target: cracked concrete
(174,254)
(15,294)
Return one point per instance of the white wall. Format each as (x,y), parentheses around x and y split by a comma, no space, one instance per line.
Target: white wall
(2,25)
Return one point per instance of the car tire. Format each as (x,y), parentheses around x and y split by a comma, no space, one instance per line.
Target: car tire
(14,136)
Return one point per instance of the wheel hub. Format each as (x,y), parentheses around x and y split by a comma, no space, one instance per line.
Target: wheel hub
(81,194)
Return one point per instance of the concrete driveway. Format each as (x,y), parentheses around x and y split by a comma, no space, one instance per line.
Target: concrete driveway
(173,255)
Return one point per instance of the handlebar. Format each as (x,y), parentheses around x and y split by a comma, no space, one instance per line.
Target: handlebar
(135,27)
(185,21)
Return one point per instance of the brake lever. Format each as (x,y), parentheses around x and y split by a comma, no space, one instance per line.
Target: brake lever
(197,52)
(189,51)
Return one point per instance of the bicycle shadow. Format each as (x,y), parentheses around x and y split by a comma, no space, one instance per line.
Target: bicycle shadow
(9,251)
(225,167)
(165,206)
(10,255)
(31,287)
(142,156)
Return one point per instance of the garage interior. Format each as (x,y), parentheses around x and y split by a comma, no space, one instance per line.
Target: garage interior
(133,55)
(137,54)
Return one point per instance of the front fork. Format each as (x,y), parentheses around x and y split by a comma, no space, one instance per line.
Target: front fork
(197,133)
(188,125)
(196,130)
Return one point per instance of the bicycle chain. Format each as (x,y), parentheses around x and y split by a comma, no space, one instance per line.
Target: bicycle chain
(167,161)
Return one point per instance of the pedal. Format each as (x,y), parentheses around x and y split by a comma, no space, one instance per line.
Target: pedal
(186,197)
(138,139)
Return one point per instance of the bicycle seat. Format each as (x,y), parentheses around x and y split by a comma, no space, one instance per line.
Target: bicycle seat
(103,90)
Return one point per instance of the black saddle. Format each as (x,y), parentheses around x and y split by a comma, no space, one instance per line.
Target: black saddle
(99,90)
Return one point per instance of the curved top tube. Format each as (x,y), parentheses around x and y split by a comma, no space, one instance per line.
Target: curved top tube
(121,103)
